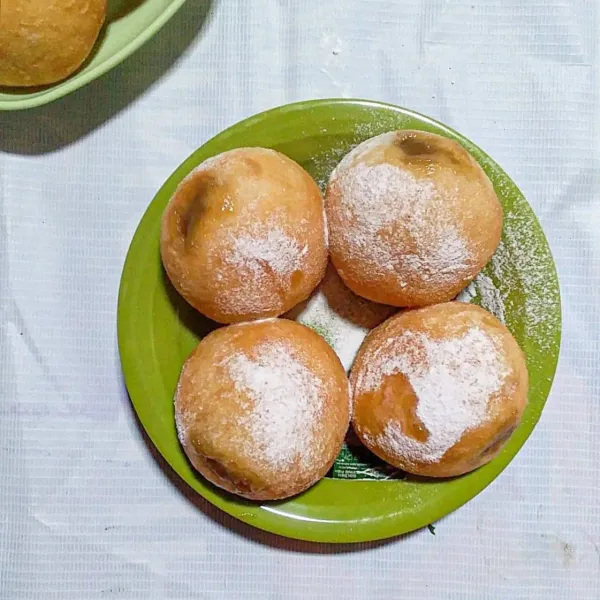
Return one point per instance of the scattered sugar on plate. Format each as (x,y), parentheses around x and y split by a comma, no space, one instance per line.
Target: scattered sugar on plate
(483,289)
(341,317)
(344,336)
(514,285)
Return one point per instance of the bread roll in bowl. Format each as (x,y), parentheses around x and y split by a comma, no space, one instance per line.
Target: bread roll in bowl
(44,41)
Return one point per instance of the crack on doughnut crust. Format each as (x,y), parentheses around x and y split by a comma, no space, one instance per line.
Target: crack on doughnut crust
(197,206)
(221,471)
(497,443)
(425,148)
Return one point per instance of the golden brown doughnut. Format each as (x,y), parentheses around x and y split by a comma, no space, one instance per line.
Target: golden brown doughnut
(340,316)
(350,307)
(244,236)
(439,390)
(262,408)
(44,41)
(412,218)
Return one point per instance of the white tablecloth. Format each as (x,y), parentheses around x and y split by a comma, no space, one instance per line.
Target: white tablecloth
(86,510)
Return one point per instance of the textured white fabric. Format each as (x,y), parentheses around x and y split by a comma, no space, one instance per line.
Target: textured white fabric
(86,511)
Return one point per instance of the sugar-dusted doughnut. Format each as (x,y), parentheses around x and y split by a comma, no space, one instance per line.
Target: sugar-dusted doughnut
(262,408)
(244,236)
(438,391)
(412,218)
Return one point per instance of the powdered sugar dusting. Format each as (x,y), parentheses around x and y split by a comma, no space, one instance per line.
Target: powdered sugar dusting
(362,149)
(272,252)
(344,336)
(326,226)
(322,166)
(515,285)
(376,200)
(483,290)
(341,317)
(521,258)
(468,294)
(266,255)
(368,188)
(447,255)
(181,419)
(453,380)
(286,400)
(523,271)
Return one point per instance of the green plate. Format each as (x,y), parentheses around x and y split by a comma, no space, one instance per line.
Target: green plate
(129,23)
(157,329)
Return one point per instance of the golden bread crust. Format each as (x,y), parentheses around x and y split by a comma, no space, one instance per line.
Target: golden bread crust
(412,218)
(432,366)
(262,408)
(244,236)
(44,41)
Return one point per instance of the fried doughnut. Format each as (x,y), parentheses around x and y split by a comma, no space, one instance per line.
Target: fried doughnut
(412,218)
(244,236)
(262,408)
(42,42)
(439,390)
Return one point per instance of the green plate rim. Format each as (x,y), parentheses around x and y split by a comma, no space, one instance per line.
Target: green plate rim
(269,516)
(78,80)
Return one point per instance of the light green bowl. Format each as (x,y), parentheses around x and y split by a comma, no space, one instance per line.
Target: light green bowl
(129,24)
(157,329)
